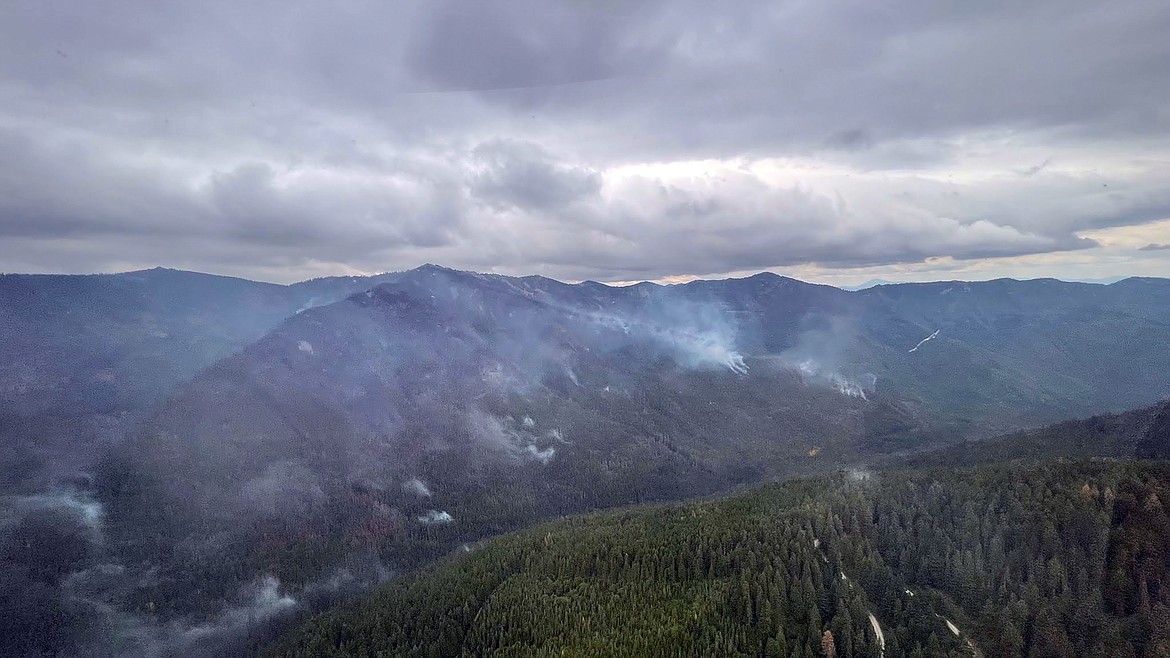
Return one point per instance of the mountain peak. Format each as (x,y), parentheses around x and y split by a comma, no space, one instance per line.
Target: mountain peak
(431,268)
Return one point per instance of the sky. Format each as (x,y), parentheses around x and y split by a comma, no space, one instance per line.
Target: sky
(614,140)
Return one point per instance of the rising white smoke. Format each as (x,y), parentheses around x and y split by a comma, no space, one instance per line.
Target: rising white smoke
(828,356)
(542,456)
(514,440)
(265,602)
(416,487)
(697,335)
(435,517)
(704,349)
(859,474)
(857,386)
(308,305)
(854,387)
(847,386)
(81,505)
(691,346)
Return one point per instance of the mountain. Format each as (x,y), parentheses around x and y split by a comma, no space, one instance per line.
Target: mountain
(1025,352)
(83,343)
(95,342)
(1155,443)
(868,284)
(310,441)
(107,341)
(1061,560)
(84,356)
(1141,433)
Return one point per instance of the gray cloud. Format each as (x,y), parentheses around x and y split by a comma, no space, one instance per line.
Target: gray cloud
(519,45)
(520,174)
(539,136)
(851,139)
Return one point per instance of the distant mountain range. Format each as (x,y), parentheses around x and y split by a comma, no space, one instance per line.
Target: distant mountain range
(884,282)
(111,341)
(88,358)
(107,342)
(228,430)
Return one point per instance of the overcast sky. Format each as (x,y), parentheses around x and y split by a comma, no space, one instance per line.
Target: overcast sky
(616,140)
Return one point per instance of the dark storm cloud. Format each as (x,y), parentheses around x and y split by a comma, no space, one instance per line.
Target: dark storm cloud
(511,46)
(852,139)
(574,138)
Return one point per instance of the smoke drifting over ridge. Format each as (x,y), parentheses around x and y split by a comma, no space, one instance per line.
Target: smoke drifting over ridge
(417,487)
(825,356)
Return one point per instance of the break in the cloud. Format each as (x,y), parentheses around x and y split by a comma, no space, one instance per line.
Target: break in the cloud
(608,140)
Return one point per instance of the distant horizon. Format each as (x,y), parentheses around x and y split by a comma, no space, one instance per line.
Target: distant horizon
(668,281)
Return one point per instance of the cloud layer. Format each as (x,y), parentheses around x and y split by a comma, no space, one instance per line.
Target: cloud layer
(603,140)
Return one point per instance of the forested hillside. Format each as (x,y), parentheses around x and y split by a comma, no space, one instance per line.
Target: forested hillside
(1144,433)
(1068,559)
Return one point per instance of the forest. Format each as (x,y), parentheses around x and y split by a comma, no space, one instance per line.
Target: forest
(1064,559)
